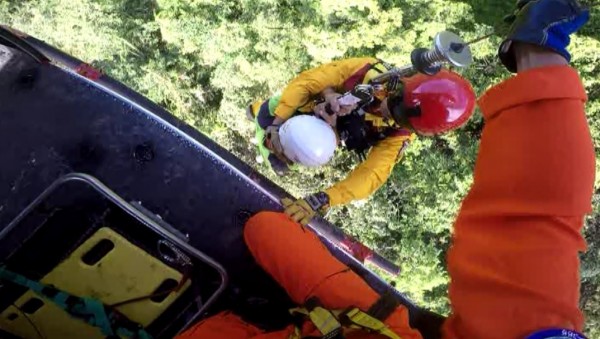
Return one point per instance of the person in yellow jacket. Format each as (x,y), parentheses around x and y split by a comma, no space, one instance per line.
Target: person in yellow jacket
(384,127)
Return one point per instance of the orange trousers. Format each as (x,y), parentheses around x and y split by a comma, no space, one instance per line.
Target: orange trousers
(299,262)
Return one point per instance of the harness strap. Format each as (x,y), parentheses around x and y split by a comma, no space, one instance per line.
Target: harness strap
(381,66)
(384,306)
(325,321)
(331,323)
(360,76)
(361,319)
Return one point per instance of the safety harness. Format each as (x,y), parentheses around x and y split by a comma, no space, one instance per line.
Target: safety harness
(356,133)
(331,323)
(366,73)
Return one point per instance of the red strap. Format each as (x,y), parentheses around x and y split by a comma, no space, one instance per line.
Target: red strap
(356,78)
(358,250)
(88,71)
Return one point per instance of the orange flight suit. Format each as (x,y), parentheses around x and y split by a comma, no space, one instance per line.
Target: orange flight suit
(514,263)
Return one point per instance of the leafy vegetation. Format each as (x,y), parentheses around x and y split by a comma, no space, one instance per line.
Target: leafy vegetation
(205,60)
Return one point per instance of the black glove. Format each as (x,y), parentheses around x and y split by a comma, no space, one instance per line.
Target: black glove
(545,23)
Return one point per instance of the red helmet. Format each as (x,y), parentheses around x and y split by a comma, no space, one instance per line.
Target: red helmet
(439,103)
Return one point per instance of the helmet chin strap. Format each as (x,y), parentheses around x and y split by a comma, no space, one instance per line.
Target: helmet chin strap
(281,156)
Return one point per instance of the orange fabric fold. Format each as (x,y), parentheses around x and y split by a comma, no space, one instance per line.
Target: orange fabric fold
(514,263)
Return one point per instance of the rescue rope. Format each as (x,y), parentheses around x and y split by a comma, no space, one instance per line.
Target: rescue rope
(89,310)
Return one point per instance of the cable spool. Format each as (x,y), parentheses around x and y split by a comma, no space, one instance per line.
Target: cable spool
(447,48)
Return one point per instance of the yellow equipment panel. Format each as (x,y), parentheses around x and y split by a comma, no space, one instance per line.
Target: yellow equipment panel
(125,272)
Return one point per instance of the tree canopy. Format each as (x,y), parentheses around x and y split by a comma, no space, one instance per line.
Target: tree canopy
(206,60)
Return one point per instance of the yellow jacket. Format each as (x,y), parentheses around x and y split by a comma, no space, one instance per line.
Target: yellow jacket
(300,93)
(372,173)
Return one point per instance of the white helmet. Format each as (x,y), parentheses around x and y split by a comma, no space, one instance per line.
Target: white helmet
(307,140)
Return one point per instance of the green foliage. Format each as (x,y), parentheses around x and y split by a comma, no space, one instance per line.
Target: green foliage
(205,60)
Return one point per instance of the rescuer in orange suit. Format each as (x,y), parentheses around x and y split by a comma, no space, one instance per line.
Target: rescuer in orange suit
(514,263)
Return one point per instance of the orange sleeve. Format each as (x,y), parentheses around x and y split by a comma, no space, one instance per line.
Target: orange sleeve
(514,263)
